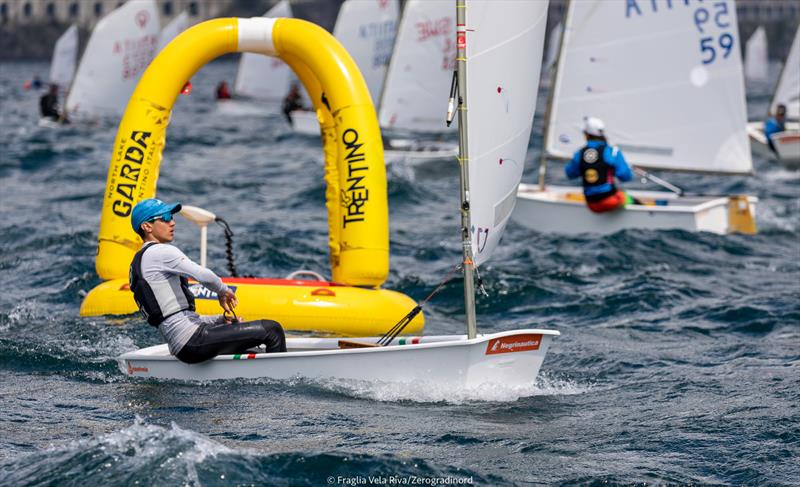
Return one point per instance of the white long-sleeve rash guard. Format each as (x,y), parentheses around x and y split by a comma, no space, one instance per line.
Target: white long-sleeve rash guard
(163,261)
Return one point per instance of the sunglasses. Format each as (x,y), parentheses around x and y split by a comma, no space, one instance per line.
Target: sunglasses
(166,218)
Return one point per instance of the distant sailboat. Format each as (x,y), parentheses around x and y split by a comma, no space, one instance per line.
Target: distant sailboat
(755,57)
(418,81)
(175,27)
(65,57)
(670,89)
(787,143)
(121,46)
(366,29)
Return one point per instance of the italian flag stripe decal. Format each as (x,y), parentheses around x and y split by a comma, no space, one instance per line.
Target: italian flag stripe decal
(239,356)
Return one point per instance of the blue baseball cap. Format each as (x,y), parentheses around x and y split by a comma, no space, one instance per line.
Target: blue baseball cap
(151,208)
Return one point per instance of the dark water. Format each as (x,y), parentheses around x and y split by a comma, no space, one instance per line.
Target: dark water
(679,360)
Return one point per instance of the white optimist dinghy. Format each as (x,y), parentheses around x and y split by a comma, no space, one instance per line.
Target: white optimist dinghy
(493,137)
(668,84)
(418,81)
(787,143)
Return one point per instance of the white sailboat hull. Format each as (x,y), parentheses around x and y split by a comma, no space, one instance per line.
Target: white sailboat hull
(247,108)
(787,143)
(413,149)
(561,209)
(305,122)
(512,358)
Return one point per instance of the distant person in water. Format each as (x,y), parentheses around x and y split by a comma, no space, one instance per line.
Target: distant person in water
(597,164)
(48,104)
(292,102)
(35,83)
(222,91)
(775,124)
(158,278)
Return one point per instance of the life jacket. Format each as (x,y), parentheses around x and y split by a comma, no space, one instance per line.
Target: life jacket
(158,300)
(595,171)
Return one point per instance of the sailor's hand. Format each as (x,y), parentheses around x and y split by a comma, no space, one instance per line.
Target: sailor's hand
(227,300)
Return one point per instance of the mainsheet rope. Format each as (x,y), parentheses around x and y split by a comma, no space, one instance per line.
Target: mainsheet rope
(390,335)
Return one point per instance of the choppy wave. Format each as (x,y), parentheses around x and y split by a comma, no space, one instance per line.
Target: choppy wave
(148,454)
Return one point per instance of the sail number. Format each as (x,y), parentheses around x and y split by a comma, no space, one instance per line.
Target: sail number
(705,19)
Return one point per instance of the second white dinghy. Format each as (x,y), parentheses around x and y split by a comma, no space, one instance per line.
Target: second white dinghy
(491,32)
(666,103)
(787,93)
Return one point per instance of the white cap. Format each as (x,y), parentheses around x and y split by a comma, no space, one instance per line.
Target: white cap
(594,126)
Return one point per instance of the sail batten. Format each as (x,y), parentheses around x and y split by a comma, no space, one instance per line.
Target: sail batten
(660,80)
(502,87)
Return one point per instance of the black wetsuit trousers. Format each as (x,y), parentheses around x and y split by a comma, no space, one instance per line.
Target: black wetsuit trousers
(212,340)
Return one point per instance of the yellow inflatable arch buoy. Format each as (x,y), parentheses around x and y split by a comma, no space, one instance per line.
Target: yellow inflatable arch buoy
(355,174)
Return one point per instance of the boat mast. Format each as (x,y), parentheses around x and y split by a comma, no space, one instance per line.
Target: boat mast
(550,97)
(463,159)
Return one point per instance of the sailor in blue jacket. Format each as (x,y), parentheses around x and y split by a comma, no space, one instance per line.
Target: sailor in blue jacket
(775,124)
(597,164)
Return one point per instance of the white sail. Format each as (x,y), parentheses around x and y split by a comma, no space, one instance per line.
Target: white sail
(788,90)
(175,27)
(755,57)
(666,78)
(265,77)
(366,28)
(121,47)
(505,41)
(553,46)
(65,57)
(418,80)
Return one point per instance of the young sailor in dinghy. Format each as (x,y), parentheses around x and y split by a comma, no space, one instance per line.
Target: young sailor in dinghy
(597,164)
(775,124)
(158,279)
(293,101)
(48,104)
(223,93)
